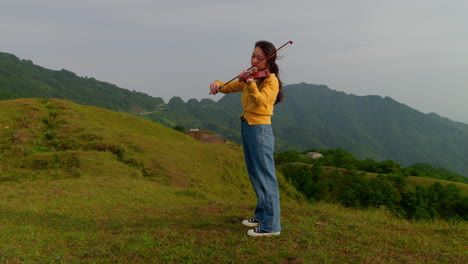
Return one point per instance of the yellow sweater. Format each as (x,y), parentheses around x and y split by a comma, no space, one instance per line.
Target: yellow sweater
(258,98)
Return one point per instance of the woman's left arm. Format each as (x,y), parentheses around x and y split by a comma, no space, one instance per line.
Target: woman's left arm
(268,93)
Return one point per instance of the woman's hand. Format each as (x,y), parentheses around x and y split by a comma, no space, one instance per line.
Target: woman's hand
(245,76)
(214,88)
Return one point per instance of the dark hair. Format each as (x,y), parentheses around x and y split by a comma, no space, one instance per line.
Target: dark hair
(268,48)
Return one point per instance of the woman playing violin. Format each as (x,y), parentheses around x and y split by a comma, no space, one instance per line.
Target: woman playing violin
(258,99)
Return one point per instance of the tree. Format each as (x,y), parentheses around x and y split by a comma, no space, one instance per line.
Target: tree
(180,129)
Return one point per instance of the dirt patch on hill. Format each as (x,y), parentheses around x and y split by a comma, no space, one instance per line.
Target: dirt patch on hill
(207,137)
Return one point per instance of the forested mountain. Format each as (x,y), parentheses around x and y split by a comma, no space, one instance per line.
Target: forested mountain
(23,79)
(317,117)
(312,116)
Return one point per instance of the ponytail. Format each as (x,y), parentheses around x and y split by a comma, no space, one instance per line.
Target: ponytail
(269,48)
(275,69)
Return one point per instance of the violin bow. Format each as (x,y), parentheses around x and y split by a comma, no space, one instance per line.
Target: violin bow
(266,58)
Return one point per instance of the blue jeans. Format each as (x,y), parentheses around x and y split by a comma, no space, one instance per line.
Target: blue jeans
(258,142)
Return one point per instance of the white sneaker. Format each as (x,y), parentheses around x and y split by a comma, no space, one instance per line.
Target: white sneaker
(251,223)
(257,232)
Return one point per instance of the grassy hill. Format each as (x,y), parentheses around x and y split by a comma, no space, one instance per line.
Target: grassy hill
(81,184)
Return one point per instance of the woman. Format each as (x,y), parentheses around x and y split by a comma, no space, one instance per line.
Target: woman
(258,98)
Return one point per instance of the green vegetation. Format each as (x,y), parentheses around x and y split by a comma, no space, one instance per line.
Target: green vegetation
(41,138)
(343,159)
(81,184)
(118,219)
(388,186)
(180,129)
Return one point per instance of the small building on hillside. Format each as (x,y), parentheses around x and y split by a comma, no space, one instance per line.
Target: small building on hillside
(314,155)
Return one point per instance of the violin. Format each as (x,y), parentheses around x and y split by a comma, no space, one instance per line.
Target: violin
(253,73)
(258,74)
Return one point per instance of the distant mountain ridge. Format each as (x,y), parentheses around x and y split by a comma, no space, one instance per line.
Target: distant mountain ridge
(317,117)
(372,126)
(312,116)
(23,79)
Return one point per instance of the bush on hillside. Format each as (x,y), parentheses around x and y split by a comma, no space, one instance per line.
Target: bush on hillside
(353,189)
(342,159)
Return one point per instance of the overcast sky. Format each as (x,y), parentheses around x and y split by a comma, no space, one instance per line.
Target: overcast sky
(415,51)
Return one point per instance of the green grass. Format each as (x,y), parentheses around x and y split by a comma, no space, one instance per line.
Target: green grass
(111,188)
(133,220)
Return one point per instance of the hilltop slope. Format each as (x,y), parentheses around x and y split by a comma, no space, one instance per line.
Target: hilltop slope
(53,138)
(81,184)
